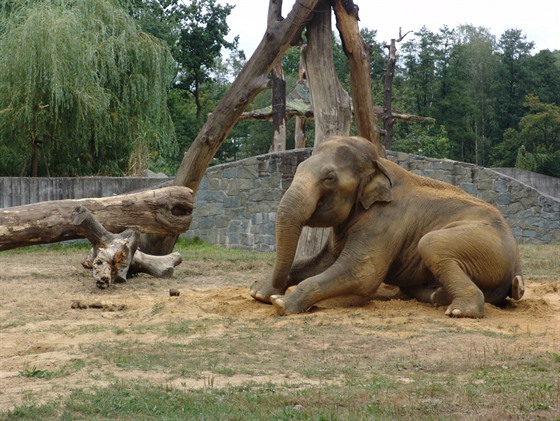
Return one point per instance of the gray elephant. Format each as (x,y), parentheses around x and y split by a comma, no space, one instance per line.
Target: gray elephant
(431,239)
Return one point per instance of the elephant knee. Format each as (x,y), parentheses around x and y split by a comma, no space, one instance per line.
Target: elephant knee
(428,249)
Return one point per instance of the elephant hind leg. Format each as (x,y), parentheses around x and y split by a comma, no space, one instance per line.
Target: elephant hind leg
(466,259)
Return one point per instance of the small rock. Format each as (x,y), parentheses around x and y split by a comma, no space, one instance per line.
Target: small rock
(78,305)
(174,292)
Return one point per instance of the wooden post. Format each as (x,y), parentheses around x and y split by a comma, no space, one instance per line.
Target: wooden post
(278,89)
(299,129)
(388,117)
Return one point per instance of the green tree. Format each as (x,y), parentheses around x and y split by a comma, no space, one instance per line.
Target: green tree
(157,17)
(201,39)
(424,140)
(420,56)
(511,85)
(535,145)
(543,71)
(474,73)
(82,90)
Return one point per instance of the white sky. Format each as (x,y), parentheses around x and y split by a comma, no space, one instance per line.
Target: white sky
(539,20)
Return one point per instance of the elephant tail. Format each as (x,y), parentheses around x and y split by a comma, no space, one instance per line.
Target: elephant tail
(513,289)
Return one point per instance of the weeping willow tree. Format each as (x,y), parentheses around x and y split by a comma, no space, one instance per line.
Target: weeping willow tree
(82,91)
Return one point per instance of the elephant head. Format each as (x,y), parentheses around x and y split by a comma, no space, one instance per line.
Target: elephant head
(342,175)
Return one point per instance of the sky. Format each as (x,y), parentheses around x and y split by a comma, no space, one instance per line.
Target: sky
(539,20)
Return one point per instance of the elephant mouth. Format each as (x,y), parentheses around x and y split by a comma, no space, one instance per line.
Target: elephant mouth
(323,216)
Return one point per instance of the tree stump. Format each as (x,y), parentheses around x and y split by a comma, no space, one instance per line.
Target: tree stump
(114,256)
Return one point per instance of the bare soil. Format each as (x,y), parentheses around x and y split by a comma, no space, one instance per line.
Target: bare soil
(52,315)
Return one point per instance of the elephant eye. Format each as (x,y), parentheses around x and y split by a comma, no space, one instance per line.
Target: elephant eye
(330,177)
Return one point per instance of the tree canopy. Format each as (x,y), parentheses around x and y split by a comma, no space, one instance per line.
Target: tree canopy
(161,66)
(82,90)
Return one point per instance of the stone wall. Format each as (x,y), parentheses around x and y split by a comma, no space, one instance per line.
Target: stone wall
(543,183)
(236,202)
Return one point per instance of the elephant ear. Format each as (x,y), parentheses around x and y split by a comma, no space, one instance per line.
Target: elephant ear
(375,187)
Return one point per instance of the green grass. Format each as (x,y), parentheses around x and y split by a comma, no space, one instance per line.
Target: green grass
(374,396)
(196,249)
(63,247)
(65,370)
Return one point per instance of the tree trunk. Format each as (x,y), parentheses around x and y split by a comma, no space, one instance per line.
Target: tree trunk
(359,59)
(331,103)
(278,109)
(112,253)
(114,256)
(299,125)
(163,211)
(279,36)
(388,119)
(388,115)
(278,89)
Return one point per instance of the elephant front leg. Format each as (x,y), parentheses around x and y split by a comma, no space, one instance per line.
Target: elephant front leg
(302,269)
(343,278)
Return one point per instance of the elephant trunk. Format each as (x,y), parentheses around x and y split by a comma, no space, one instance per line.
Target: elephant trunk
(295,208)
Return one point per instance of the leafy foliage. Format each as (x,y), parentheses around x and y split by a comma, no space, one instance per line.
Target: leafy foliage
(82,88)
(535,145)
(149,95)
(423,140)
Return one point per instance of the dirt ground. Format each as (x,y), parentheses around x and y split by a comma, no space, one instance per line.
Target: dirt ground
(40,329)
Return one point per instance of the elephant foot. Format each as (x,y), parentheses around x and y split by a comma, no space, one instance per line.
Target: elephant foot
(464,308)
(440,297)
(284,307)
(263,290)
(279,304)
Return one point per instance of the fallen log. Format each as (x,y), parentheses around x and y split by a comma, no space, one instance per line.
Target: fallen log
(114,256)
(165,211)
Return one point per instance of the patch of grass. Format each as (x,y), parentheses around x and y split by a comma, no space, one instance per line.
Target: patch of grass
(540,261)
(196,249)
(62,247)
(65,370)
(128,401)
(157,308)
(34,372)
(179,328)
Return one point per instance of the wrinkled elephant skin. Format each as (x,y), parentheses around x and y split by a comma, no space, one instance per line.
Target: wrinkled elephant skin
(431,239)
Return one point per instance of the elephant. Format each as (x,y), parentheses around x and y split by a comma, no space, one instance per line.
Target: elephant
(434,241)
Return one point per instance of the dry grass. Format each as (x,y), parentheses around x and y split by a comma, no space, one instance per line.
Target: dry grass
(214,353)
